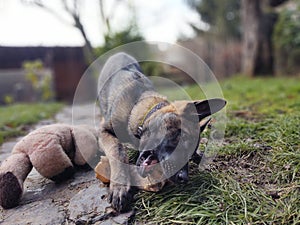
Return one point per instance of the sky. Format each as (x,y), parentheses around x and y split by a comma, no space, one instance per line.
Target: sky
(158,20)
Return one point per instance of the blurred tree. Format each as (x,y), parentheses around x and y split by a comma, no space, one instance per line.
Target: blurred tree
(250,20)
(115,39)
(258,21)
(287,40)
(223,17)
(40,79)
(127,35)
(72,8)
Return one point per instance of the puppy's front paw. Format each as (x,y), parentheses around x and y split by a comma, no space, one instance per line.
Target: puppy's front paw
(120,197)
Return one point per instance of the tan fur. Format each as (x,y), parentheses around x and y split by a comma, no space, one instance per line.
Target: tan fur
(168,109)
(139,111)
(147,101)
(180,106)
(52,150)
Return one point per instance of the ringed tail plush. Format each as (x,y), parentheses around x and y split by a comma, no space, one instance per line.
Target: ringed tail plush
(13,172)
(54,151)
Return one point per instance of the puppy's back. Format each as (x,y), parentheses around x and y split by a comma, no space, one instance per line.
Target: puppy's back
(120,85)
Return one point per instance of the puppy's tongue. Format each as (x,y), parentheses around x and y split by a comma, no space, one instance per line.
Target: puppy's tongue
(148,164)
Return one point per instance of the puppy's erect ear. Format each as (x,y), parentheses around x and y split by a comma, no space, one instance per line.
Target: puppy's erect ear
(204,108)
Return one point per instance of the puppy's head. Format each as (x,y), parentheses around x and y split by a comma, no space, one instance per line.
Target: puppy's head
(170,137)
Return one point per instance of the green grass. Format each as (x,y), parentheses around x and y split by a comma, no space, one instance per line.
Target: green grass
(15,119)
(255,178)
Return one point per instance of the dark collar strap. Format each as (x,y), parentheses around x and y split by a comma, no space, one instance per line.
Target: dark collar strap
(150,112)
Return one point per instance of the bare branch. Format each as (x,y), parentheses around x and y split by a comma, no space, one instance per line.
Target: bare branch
(104,17)
(74,13)
(76,8)
(66,7)
(41,5)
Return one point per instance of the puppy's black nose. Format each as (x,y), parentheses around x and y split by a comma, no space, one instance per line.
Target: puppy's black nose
(182,177)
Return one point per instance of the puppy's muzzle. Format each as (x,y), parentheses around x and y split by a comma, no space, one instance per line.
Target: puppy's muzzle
(146,162)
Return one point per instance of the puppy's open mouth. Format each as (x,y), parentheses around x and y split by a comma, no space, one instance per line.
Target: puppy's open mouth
(146,162)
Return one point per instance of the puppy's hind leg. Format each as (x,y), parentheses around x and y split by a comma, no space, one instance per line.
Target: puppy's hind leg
(120,190)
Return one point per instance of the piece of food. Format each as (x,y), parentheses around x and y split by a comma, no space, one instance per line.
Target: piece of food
(102,170)
(154,182)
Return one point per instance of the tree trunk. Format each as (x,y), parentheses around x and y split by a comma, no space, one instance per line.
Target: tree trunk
(257,38)
(88,49)
(264,63)
(251,14)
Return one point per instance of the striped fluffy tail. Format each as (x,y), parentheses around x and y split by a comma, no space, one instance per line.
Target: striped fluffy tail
(13,172)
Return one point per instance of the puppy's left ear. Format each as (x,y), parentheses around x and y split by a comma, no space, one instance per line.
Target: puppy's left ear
(204,108)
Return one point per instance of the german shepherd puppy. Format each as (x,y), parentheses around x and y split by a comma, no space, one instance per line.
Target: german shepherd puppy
(166,133)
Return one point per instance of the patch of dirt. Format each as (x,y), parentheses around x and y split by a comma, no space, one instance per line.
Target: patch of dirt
(251,168)
(246,115)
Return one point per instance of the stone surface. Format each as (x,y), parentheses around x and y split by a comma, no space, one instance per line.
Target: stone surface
(35,213)
(88,203)
(80,200)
